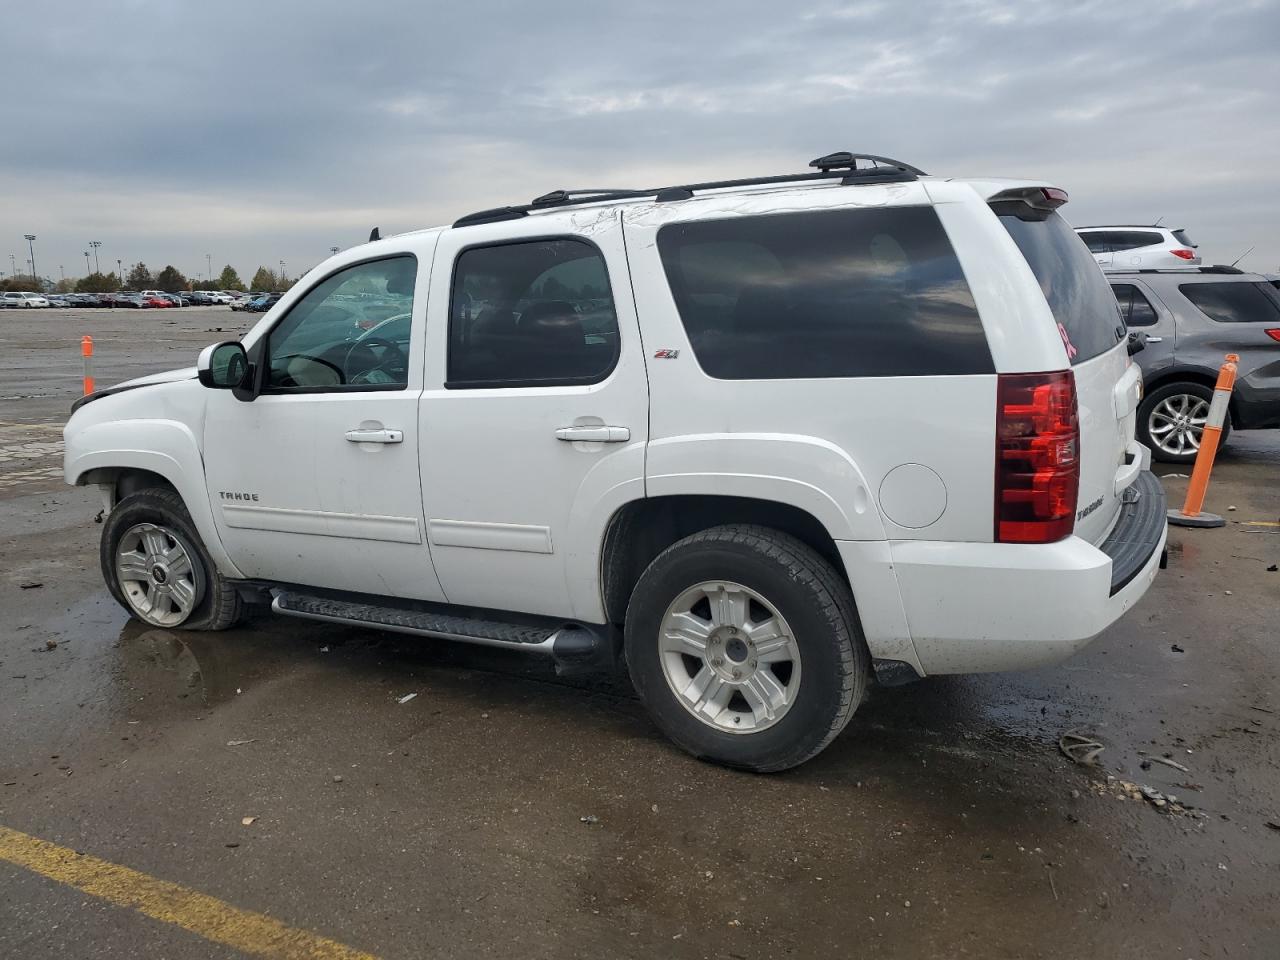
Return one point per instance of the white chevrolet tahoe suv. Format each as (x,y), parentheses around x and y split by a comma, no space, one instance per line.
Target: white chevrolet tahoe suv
(761,440)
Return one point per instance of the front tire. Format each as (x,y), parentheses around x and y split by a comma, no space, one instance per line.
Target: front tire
(1171,420)
(744,646)
(157,567)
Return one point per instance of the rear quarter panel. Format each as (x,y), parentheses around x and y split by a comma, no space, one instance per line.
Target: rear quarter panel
(824,445)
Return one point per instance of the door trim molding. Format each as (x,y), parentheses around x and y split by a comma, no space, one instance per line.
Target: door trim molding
(319,523)
(480,535)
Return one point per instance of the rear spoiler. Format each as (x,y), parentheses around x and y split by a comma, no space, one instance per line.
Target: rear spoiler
(1028,203)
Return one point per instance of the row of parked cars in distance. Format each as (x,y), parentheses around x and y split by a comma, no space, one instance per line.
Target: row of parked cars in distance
(147,299)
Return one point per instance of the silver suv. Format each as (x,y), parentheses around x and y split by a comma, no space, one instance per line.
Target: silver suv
(1191,319)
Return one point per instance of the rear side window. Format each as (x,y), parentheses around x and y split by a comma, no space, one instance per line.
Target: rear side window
(1182,238)
(1132,239)
(1135,308)
(833,293)
(1078,294)
(1240,302)
(533,313)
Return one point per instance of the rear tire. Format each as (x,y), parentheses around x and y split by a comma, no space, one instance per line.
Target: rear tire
(744,645)
(1171,418)
(157,567)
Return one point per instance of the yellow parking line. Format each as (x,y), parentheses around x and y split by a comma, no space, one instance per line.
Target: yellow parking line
(1259,523)
(252,933)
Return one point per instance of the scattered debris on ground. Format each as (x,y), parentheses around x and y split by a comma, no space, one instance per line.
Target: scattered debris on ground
(247,821)
(406,698)
(589,819)
(1169,763)
(240,743)
(30,585)
(1080,749)
(1166,803)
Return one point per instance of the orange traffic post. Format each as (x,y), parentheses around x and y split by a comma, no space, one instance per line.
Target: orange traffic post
(1190,515)
(86,351)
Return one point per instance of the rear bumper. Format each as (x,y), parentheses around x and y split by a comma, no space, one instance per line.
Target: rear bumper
(979,607)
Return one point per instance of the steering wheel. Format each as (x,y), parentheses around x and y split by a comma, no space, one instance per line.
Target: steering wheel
(392,362)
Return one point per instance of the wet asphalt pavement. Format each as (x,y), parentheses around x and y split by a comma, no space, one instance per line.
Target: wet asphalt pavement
(944,822)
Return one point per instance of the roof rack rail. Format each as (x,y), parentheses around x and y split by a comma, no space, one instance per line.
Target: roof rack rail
(1217,268)
(842,165)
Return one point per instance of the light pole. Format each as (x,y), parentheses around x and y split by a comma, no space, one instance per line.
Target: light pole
(86,263)
(209,263)
(31,246)
(95,244)
(62,273)
(119,274)
(13,267)
(282,273)
(334,251)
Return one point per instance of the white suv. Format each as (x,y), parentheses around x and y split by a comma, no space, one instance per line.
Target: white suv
(1140,248)
(764,439)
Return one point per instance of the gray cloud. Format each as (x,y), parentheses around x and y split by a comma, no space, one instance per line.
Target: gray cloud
(259,132)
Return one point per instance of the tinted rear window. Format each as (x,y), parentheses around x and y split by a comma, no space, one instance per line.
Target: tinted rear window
(1239,302)
(1078,294)
(1182,238)
(833,293)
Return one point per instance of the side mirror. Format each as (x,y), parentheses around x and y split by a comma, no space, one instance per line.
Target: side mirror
(1137,342)
(223,366)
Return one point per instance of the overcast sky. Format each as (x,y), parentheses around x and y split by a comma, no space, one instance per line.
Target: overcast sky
(266,131)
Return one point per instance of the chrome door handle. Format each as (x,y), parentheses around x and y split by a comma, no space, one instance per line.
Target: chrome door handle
(375,436)
(593,433)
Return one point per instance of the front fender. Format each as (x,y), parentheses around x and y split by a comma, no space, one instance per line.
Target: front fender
(164,447)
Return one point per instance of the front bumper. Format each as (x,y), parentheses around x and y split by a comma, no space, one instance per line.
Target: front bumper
(980,607)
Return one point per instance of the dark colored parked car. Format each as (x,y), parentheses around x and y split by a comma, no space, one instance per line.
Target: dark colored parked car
(1191,319)
(263,303)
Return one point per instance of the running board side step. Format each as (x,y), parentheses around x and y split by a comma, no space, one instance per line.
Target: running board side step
(574,646)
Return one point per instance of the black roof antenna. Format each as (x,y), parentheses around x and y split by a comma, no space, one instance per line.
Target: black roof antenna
(374,235)
(1243,255)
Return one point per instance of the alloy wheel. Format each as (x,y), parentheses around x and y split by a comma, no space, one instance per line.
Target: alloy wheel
(157,575)
(1176,423)
(729,657)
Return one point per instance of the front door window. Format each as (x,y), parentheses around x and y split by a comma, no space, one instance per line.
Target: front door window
(350,332)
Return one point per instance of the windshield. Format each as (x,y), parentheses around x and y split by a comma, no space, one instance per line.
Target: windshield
(1075,288)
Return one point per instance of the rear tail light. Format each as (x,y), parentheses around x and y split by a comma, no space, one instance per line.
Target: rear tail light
(1273,333)
(1184,254)
(1037,457)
